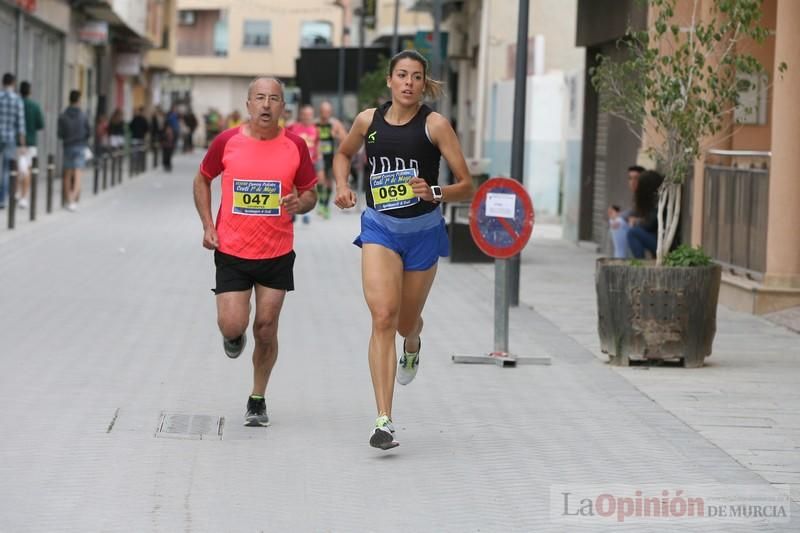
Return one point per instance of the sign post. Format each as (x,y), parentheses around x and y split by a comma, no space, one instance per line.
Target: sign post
(501,222)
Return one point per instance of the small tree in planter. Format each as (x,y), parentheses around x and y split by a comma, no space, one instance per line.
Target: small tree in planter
(681,84)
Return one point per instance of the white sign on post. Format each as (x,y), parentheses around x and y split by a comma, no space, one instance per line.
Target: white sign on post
(501,205)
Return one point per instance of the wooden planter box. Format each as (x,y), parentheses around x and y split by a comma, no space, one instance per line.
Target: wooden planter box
(665,313)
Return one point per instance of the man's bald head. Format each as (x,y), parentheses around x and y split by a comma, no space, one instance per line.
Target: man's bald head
(267,84)
(306,115)
(325,110)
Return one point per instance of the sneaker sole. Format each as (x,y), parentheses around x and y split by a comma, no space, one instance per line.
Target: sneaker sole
(383,440)
(255,423)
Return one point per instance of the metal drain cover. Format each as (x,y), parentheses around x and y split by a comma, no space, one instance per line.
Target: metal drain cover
(185,426)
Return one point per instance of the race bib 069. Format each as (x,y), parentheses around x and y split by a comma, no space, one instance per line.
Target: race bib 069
(390,190)
(261,198)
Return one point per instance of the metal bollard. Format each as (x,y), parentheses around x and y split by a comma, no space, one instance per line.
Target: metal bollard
(34,187)
(113,167)
(105,169)
(51,170)
(12,194)
(63,187)
(96,171)
(120,164)
(131,162)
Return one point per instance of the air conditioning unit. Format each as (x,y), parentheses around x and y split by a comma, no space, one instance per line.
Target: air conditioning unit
(187,17)
(478,166)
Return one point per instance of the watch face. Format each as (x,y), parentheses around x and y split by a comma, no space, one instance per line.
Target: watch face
(437,191)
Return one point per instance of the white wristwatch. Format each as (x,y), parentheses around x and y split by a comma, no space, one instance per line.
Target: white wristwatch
(437,193)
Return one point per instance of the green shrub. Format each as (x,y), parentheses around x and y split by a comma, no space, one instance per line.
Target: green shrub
(686,256)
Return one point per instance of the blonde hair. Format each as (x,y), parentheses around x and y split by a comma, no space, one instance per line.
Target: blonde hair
(434,89)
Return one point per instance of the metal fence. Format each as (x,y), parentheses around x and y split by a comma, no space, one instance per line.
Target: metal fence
(736,198)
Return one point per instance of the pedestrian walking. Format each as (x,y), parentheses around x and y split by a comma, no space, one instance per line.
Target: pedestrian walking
(139,128)
(213,125)
(116,129)
(169,138)
(402,230)
(234,119)
(74,132)
(34,121)
(190,121)
(261,165)
(12,131)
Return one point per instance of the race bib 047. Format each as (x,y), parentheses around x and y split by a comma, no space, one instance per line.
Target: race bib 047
(260,198)
(390,190)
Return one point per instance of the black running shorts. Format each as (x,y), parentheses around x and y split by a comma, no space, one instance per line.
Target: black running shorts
(236,274)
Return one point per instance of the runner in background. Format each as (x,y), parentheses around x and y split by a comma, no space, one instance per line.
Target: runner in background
(331,132)
(305,129)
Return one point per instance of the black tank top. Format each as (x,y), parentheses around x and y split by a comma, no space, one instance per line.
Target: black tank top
(392,148)
(326,142)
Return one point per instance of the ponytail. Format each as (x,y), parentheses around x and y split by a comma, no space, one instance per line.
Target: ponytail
(434,89)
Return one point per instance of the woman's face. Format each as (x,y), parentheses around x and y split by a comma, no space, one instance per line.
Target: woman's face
(407,81)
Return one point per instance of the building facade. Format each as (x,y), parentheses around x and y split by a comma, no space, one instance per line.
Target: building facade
(484,48)
(217,47)
(33,37)
(740,202)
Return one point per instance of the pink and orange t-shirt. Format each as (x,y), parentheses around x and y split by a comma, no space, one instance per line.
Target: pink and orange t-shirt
(310,134)
(251,222)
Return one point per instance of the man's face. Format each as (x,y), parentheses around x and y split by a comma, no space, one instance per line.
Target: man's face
(306,115)
(265,103)
(633,180)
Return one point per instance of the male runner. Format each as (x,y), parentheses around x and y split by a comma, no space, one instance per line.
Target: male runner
(330,130)
(306,130)
(262,165)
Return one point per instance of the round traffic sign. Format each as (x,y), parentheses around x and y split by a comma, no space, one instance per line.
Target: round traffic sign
(501,217)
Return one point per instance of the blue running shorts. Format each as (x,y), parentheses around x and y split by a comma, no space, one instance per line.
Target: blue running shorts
(419,241)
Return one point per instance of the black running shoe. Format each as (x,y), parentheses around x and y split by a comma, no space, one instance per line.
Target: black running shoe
(382,435)
(256,413)
(234,347)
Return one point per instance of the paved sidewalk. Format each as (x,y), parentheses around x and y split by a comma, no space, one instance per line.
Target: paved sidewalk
(745,400)
(107,325)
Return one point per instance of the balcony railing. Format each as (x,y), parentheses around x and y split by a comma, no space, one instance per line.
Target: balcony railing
(736,198)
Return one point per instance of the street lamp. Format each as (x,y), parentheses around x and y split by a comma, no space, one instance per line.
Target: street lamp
(361,12)
(395,38)
(343,5)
